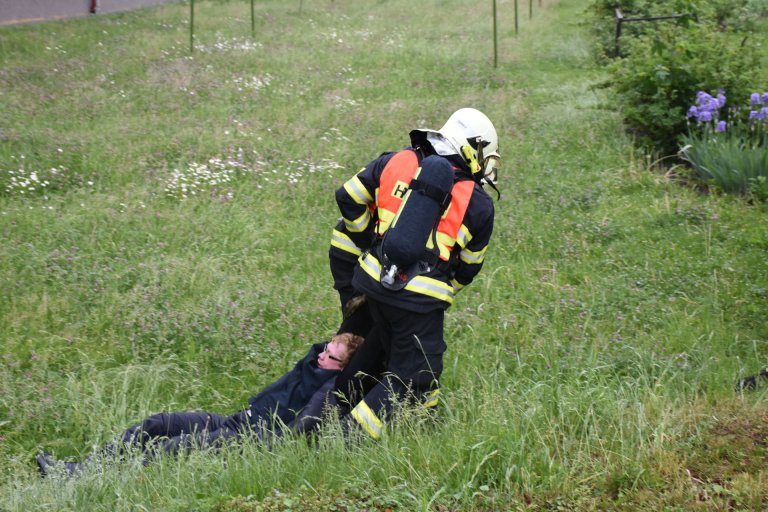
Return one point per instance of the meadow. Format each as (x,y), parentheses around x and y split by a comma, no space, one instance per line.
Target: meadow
(165,216)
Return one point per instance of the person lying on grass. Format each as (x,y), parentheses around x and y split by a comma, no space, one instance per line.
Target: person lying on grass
(276,407)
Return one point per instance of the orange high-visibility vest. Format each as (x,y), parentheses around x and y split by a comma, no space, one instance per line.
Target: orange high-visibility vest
(393,184)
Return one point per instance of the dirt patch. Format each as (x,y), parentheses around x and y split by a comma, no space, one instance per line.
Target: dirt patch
(733,445)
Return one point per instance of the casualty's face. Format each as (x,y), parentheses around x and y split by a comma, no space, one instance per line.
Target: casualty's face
(332,356)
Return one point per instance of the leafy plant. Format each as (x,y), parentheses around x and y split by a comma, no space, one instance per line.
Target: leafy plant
(653,86)
(758,188)
(757,8)
(602,14)
(730,148)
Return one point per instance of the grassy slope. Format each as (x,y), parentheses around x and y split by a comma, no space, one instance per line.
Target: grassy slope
(588,366)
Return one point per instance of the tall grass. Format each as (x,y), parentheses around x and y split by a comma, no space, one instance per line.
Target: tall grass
(588,364)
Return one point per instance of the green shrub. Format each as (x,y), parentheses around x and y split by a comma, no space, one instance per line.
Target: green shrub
(757,8)
(665,63)
(758,189)
(665,69)
(602,19)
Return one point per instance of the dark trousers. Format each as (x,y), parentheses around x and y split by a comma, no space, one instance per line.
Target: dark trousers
(367,364)
(363,372)
(412,345)
(169,432)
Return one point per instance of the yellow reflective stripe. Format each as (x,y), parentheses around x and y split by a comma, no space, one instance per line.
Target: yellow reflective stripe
(343,242)
(368,420)
(420,284)
(430,245)
(431,399)
(464,236)
(371,265)
(473,257)
(360,223)
(357,191)
(385,217)
(445,242)
(431,287)
(402,205)
(445,239)
(457,286)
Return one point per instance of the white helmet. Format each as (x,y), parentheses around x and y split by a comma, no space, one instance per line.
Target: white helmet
(472,135)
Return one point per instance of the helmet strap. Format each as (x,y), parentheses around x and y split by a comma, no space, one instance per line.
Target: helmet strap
(491,184)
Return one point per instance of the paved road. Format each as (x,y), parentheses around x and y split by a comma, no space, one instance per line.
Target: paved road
(13,12)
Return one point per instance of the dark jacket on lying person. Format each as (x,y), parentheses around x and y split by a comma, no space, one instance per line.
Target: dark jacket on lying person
(273,409)
(284,399)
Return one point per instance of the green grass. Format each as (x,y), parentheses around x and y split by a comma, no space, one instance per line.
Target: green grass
(590,366)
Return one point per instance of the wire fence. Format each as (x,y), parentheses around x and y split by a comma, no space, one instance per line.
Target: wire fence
(516,13)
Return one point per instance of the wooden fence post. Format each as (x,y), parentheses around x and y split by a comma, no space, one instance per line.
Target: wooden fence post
(516,27)
(191,25)
(495,38)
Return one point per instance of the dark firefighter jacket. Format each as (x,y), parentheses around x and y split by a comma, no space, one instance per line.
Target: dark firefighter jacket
(358,201)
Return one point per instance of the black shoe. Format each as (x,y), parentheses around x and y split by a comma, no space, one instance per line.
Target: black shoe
(45,463)
(747,383)
(750,383)
(48,465)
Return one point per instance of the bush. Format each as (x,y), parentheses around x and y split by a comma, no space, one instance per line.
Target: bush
(758,8)
(602,16)
(666,68)
(666,62)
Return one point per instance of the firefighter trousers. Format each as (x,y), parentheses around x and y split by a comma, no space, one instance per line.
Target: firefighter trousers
(412,345)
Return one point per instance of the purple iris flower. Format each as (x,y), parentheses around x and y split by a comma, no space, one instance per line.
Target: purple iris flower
(705,116)
(755,99)
(753,114)
(703,98)
(721,100)
(693,112)
(721,127)
(765,98)
(763,115)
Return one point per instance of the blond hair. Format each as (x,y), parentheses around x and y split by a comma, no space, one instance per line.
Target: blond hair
(349,340)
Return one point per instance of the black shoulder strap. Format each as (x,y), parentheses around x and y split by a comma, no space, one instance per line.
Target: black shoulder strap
(422,151)
(431,192)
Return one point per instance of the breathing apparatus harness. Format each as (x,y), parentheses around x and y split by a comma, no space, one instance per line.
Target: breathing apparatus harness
(428,202)
(395,277)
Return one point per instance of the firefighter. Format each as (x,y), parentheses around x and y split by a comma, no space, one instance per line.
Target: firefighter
(407,301)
